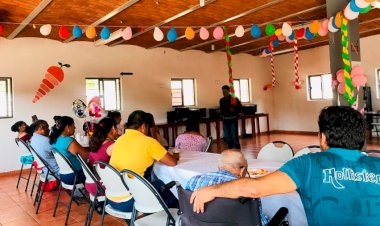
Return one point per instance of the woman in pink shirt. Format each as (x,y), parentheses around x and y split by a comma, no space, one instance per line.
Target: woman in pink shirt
(191,139)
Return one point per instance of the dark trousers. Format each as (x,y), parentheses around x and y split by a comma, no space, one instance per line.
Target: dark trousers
(231,133)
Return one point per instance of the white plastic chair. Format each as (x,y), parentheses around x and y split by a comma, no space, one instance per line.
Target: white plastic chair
(24,149)
(208,144)
(277,154)
(65,167)
(374,153)
(148,200)
(94,199)
(307,150)
(114,185)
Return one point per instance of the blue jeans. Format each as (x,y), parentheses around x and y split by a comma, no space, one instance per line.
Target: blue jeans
(231,133)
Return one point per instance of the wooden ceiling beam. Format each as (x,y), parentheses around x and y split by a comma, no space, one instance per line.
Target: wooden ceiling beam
(249,29)
(181,14)
(107,17)
(227,20)
(41,6)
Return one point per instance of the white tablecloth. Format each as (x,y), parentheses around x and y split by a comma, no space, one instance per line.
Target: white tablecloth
(193,163)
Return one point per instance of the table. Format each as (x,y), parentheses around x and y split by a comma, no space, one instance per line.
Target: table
(193,163)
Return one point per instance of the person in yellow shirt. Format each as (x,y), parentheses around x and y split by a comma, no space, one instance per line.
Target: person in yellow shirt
(136,151)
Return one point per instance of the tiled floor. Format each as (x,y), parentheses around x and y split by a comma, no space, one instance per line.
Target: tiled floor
(16,206)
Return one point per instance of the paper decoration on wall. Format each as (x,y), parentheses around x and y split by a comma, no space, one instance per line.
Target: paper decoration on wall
(229,63)
(79,108)
(158,35)
(127,33)
(189,33)
(297,83)
(45,29)
(348,94)
(91,32)
(53,77)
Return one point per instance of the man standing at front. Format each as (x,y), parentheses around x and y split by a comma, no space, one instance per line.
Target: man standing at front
(229,113)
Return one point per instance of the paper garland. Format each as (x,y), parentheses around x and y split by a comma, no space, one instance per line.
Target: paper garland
(297,83)
(229,63)
(348,94)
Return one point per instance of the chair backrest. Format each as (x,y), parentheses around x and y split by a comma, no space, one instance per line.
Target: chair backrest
(39,159)
(36,157)
(307,150)
(90,177)
(147,199)
(219,212)
(65,166)
(112,180)
(23,147)
(208,144)
(278,154)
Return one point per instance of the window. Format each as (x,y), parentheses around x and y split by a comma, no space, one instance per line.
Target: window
(241,87)
(320,87)
(6,108)
(378,83)
(107,89)
(183,92)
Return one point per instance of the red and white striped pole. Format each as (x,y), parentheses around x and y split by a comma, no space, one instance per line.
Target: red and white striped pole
(297,83)
(272,66)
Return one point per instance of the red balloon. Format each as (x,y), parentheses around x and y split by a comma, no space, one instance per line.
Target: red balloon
(300,33)
(273,37)
(1,29)
(63,32)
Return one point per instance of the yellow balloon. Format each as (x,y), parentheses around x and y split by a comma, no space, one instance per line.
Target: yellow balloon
(314,26)
(278,32)
(91,32)
(189,33)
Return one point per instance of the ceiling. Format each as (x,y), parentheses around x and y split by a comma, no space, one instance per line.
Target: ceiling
(18,17)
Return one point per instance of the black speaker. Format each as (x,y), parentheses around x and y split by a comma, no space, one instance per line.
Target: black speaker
(214,113)
(367,98)
(249,109)
(171,116)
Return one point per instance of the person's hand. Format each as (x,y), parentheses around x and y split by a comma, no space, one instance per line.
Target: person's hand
(200,197)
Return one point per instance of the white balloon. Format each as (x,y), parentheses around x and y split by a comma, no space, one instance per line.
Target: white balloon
(45,29)
(239,32)
(287,30)
(376,4)
(361,3)
(331,27)
(158,35)
(349,14)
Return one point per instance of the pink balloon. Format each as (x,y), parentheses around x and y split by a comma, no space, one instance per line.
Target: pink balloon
(127,33)
(203,33)
(288,40)
(359,80)
(340,76)
(324,29)
(357,70)
(218,33)
(341,88)
(281,38)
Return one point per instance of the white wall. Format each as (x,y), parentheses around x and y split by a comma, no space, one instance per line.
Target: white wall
(27,59)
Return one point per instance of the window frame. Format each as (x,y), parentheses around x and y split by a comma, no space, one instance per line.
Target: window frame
(101,91)
(322,88)
(8,80)
(182,94)
(377,83)
(249,89)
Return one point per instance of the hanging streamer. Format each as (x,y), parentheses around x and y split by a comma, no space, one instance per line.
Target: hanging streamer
(297,83)
(229,59)
(272,66)
(348,94)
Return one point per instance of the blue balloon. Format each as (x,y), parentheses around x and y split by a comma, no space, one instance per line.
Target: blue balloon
(255,31)
(267,51)
(355,8)
(275,43)
(77,32)
(291,37)
(308,34)
(172,35)
(105,33)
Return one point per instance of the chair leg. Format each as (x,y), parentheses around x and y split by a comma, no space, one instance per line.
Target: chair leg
(19,176)
(86,223)
(27,181)
(91,214)
(34,183)
(134,214)
(56,203)
(104,209)
(40,196)
(70,202)
(36,197)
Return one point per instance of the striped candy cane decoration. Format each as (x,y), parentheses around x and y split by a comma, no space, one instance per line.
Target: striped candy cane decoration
(297,83)
(229,59)
(348,94)
(272,66)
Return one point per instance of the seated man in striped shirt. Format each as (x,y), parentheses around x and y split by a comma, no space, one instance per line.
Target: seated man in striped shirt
(232,165)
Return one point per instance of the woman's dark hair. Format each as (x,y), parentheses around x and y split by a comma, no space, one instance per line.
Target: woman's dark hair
(149,121)
(38,124)
(56,117)
(192,125)
(59,127)
(17,125)
(100,133)
(113,115)
(343,127)
(136,119)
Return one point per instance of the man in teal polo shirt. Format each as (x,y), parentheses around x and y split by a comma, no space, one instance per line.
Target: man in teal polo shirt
(338,186)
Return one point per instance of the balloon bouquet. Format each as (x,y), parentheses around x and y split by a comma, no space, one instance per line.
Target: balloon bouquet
(92,113)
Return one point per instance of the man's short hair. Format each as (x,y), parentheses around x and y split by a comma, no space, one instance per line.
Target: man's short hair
(226,87)
(39,124)
(136,119)
(343,127)
(232,158)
